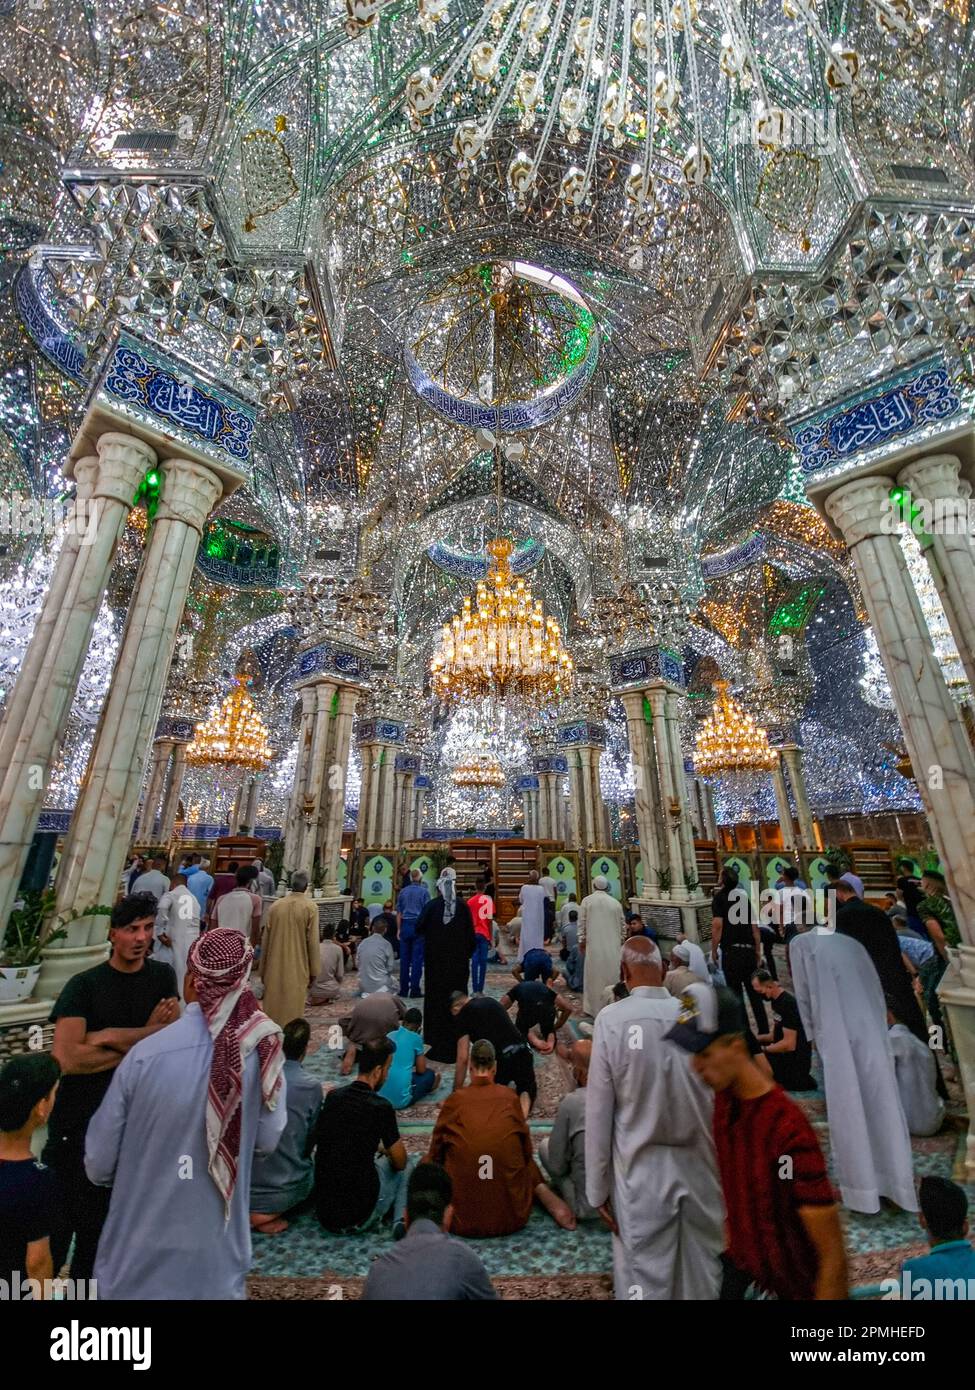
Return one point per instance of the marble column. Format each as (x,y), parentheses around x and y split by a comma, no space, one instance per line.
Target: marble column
(940,752)
(645,795)
(334,820)
(101,826)
(366,752)
(161,750)
(173,791)
(418,794)
(248,815)
(685,831)
(669,797)
(707,805)
(236,815)
(295,821)
(792,755)
(32,726)
(317,761)
(947,548)
(782,807)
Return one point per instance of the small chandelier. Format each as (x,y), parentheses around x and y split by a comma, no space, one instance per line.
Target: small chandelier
(235,735)
(730,740)
(503,643)
(482,770)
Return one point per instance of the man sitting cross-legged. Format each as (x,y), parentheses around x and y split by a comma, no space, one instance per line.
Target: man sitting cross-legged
(411,1077)
(482,1139)
(281,1182)
(361,1168)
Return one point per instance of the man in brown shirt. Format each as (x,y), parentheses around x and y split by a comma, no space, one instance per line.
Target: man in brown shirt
(483,1141)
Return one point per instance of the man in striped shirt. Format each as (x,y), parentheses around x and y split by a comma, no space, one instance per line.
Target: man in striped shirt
(783,1226)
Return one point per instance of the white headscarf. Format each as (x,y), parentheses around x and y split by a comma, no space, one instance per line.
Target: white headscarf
(600,882)
(696,961)
(447,885)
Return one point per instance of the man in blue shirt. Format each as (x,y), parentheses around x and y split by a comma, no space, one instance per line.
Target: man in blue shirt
(410,902)
(198,881)
(411,1076)
(949,1271)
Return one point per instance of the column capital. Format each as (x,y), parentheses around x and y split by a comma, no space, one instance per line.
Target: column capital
(307,699)
(324,694)
(188,493)
(861,509)
(936,476)
(123,461)
(348,695)
(85,473)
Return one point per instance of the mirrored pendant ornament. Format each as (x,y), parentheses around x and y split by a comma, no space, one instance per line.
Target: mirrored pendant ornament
(266,172)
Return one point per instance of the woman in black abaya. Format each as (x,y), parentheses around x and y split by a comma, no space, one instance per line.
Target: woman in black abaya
(447,930)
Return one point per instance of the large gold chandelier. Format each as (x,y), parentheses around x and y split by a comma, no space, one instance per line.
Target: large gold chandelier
(235,735)
(730,740)
(481,770)
(503,643)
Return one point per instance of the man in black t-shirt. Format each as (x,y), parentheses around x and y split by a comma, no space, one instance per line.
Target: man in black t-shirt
(740,941)
(27,1086)
(99,1015)
(541,1013)
(485,1017)
(361,1168)
(787,1048)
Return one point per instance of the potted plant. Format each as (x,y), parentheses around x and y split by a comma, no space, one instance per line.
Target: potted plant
(692,884)
(23,941)
(75,941)
(664,881)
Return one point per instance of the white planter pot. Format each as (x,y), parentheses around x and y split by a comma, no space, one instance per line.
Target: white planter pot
(17,982)
(59,963)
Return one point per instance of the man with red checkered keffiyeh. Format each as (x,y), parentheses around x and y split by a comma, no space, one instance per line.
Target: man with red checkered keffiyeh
(176,1134)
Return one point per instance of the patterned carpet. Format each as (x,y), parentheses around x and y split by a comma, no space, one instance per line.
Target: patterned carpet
(542,1261)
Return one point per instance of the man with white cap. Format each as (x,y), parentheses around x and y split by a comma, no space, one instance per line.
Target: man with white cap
(602,931)
(650,1162)
(679,974)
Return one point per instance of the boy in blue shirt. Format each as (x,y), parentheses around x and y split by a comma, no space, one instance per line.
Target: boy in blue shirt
(411,1078)
(949,1271)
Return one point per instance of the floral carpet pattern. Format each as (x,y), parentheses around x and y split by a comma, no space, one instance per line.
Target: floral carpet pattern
(542,1262)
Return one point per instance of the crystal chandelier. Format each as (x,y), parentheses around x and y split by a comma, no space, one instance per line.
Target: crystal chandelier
(729,740)
(234,735)
(631,76)
(503,645)
(482,770)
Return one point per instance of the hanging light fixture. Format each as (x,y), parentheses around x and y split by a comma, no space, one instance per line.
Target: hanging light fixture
(506,647)
(503,643)
(730,740)
(235,735)
(481,770)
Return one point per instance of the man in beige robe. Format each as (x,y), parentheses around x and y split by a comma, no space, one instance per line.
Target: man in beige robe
(602,931)
(290,953)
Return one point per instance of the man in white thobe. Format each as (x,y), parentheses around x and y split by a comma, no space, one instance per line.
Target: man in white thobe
(650,1162)
(602,931)
(845,1016)
(177,927)
(532,899)
(178,1224)
(265,879)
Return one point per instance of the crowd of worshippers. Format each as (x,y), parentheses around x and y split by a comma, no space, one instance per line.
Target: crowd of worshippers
(180,1117)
